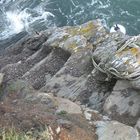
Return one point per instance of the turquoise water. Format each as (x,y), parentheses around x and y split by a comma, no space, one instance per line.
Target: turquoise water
(125,12)
(30,15)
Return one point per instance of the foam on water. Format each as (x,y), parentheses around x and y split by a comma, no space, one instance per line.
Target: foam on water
(29,15)
(18,21)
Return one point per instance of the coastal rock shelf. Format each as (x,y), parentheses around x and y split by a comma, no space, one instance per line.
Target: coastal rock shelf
(49,83)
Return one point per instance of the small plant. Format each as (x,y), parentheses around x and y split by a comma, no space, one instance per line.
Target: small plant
(12,134)
(62,113)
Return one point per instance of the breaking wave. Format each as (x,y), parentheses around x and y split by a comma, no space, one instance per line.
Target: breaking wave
(37,15)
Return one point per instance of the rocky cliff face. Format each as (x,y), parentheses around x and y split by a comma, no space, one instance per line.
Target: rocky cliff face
(49,82)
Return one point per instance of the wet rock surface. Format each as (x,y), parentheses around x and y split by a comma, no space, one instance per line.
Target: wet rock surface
(49,82)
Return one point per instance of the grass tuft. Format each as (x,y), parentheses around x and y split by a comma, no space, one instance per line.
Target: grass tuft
(12,134)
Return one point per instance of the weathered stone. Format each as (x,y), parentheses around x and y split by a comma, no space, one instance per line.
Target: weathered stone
(17,70)
(108,47)
(22,50)
(68,106)
(120,58)
(70,81)
(122,85)
(92,115)
(19,86)
(88,29)
(73,44)
(1,78)
(58,62)
(71,38)
(96,100)
(112,130)
(123,105)
(136,83)
(47,67)
(137,126)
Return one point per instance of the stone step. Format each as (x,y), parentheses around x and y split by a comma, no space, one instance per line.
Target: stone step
(46,68)
(22,50)
(17,70)
(71,80)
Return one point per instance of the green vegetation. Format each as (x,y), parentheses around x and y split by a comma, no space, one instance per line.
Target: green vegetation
(62,113)
(13,135)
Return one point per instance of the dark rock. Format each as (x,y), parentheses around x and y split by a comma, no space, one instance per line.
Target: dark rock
(22,50)
(123,104)
(12,40)
(47,67)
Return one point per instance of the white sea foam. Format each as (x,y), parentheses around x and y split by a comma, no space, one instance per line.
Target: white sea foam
(29,14)
(18,21)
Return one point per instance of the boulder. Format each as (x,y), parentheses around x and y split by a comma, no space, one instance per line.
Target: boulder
(123,104)
(113,130)
(137,126)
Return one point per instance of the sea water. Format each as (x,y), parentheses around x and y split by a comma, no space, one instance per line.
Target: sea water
(37,15)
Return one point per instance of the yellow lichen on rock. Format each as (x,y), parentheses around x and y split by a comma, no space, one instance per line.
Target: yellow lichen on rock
(73,44)
(88,29)
(128,58)
(73,39)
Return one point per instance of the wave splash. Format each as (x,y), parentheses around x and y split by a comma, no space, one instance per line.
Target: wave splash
(30,15)
(18,20)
